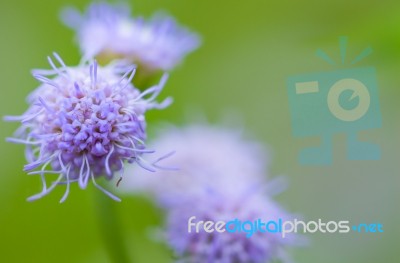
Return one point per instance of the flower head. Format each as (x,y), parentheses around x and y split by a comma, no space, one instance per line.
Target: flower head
(107,30)
(84,122)
(205,156)
(226,247)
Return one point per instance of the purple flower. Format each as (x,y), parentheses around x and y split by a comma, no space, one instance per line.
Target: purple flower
(84,122)
(107,30)
(226,247)
(206,156)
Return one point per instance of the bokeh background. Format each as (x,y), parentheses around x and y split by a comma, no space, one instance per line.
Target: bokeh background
(249,49)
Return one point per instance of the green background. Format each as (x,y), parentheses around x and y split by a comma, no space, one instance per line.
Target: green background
(249,50)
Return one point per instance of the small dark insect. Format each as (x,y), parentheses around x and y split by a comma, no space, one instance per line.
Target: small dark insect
(120,179)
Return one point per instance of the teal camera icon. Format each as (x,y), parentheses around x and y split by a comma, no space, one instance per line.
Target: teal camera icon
(328,103)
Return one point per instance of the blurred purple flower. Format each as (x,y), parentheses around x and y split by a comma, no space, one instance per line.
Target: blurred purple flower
(217,205)
(85,122)
(206,156)
(221,176)
(108,30)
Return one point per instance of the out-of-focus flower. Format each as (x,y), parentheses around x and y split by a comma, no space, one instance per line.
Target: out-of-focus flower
(84,122)
(220,176)
(106,30)
(205,156)
(227,247)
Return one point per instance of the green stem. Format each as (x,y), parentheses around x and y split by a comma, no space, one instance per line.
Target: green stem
(110,228)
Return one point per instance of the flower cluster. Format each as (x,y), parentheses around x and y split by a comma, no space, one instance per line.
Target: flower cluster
(217,205)
(221,176)
(85,121)
(109,31)
(88,121)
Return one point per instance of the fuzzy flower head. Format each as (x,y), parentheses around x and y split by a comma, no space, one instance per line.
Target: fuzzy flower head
(226,247)
(84,122)
(109,31)
(205,155)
